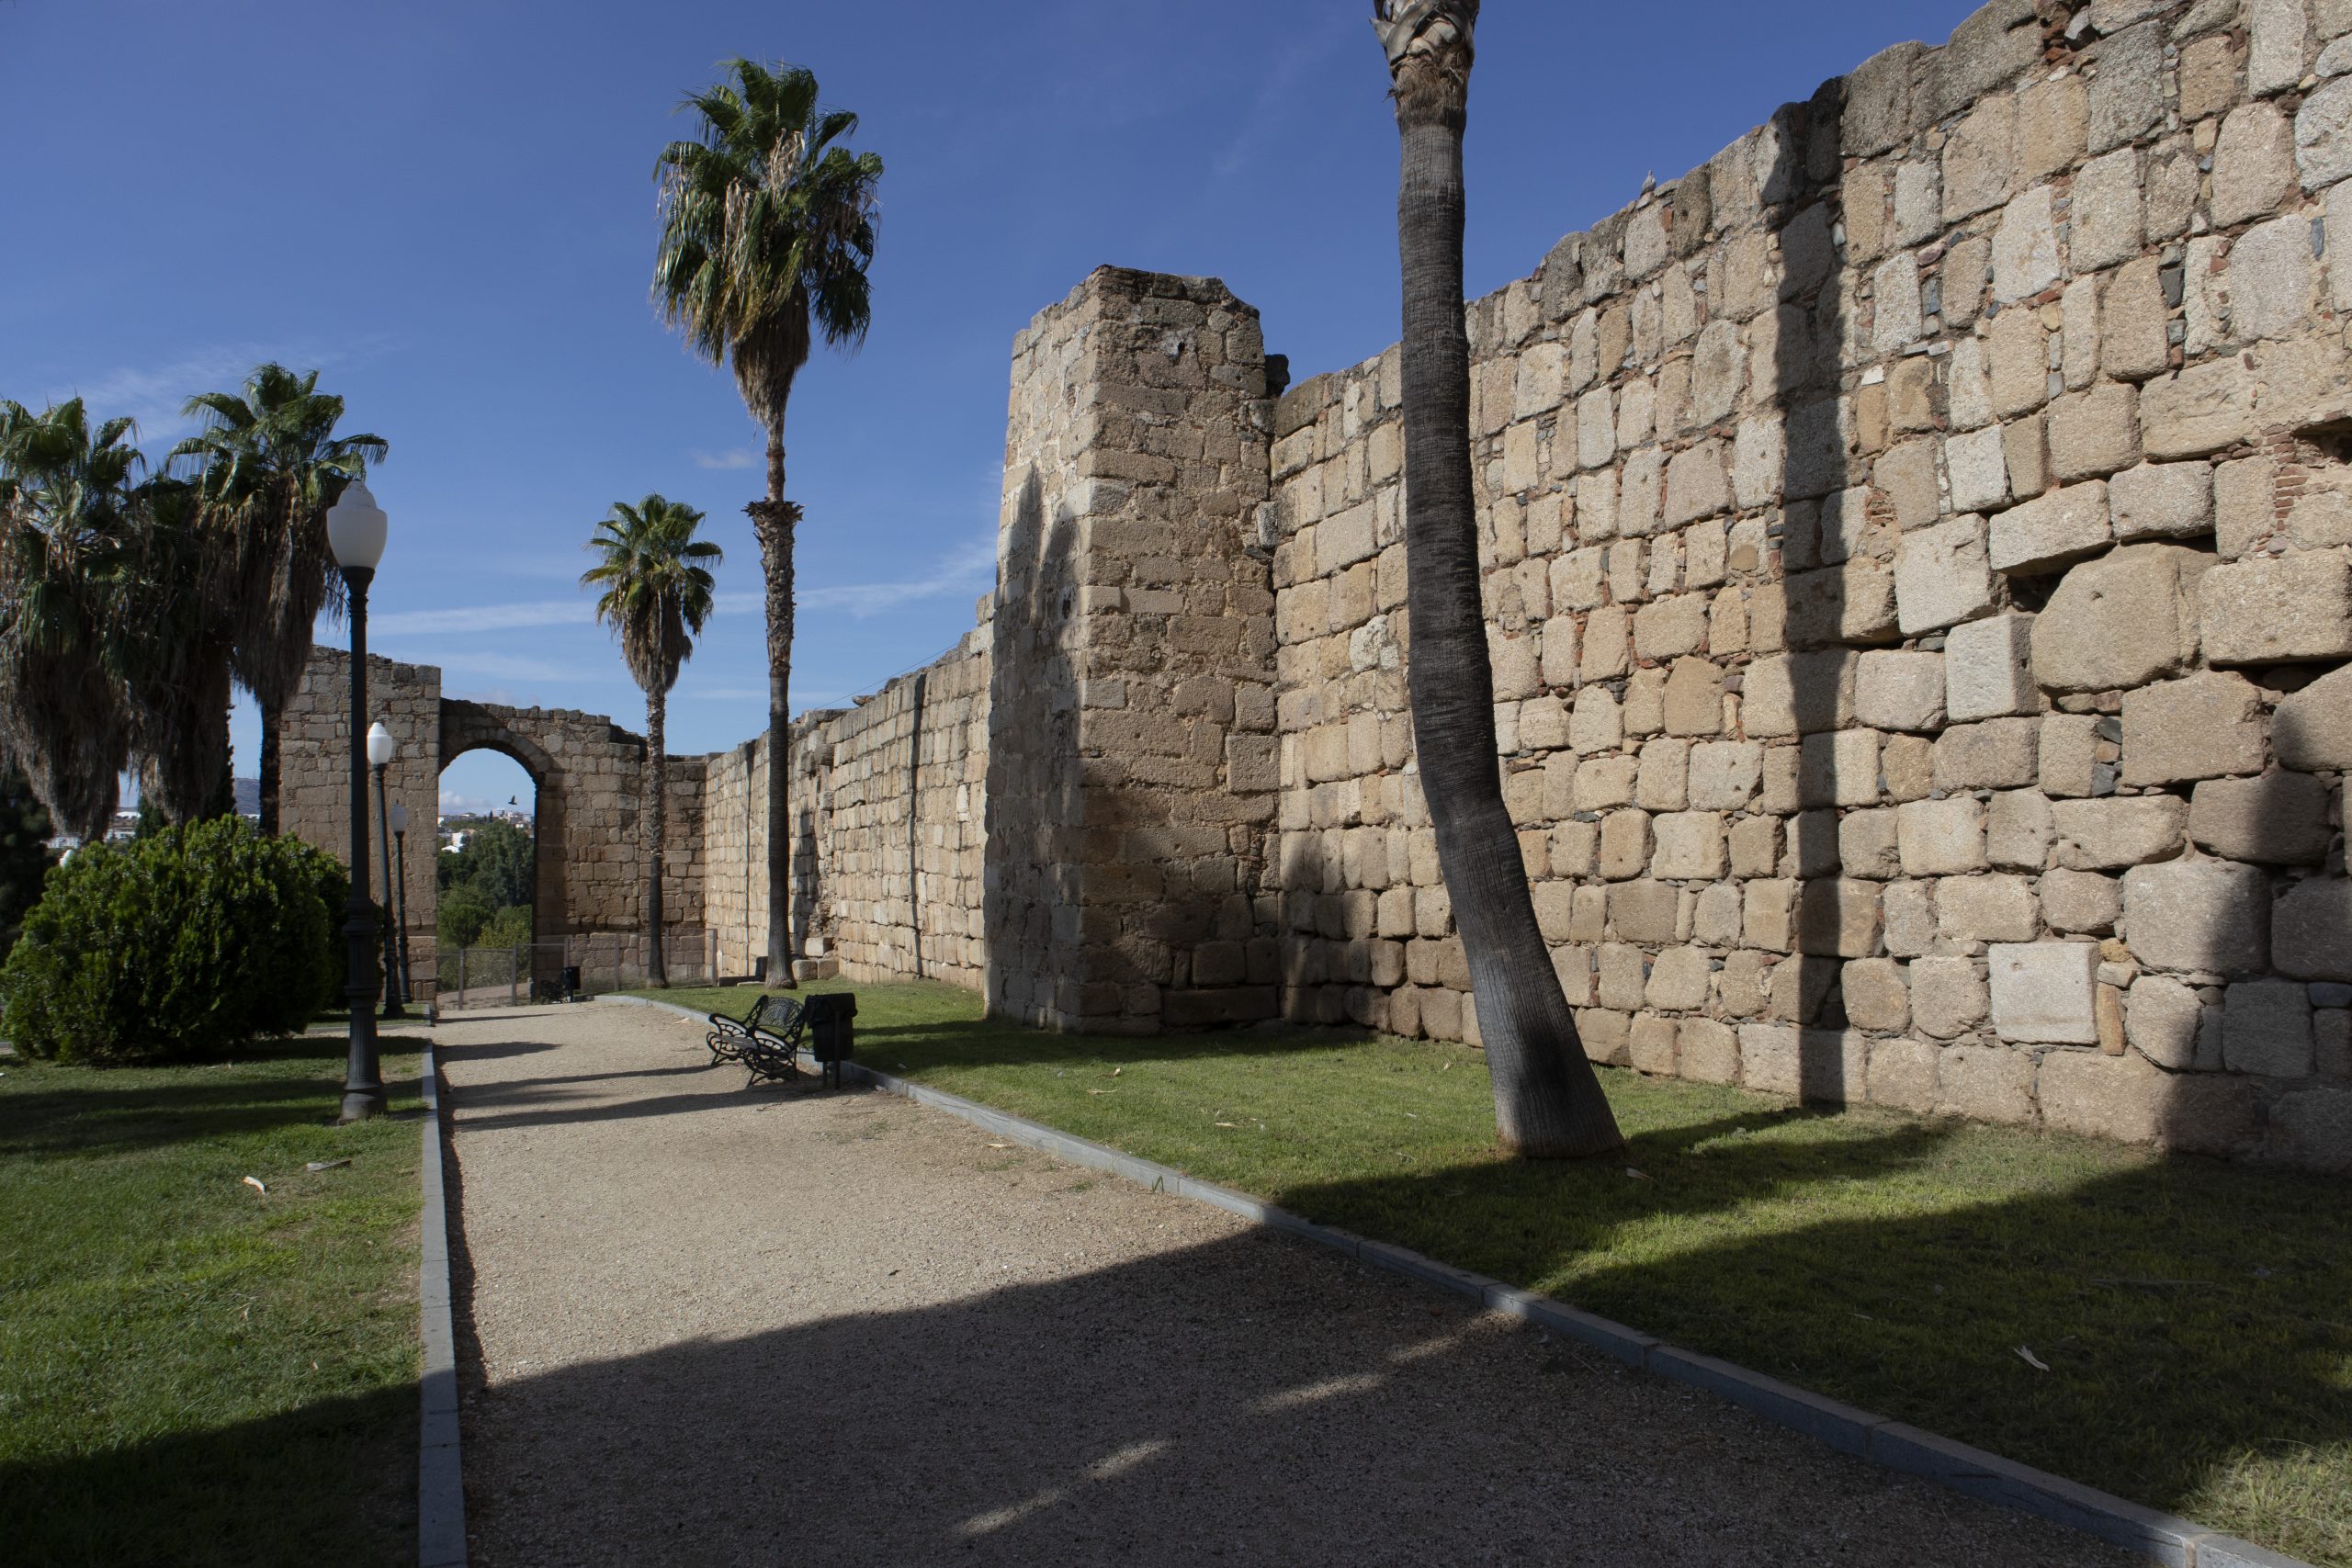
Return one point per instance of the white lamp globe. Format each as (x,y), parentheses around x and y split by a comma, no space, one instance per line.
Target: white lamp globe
(400,817)
(381,747)
(356,528)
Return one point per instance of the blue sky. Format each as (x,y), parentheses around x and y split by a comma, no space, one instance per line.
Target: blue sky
(446,206)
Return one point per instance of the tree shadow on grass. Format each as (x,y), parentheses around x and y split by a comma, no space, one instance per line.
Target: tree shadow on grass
(119,1117)
(333,1482)
(2191,1314)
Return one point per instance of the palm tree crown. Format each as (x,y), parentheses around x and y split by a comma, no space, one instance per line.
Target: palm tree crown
(67,539)
(767,228)
(657,584)
(268,464)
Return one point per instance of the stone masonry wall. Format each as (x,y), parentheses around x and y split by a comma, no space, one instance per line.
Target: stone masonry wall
(587,770)
(1916,553)
(1131,708)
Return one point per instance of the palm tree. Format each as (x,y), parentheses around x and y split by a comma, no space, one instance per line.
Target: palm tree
(767,229)
(269,464)
(1548,1104)
(172,648)
(656,577)
(66,540)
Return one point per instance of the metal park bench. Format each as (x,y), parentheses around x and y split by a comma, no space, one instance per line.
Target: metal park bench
(763,1042)
(766,1041)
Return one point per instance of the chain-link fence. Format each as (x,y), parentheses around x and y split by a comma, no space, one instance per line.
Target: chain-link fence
(559,969)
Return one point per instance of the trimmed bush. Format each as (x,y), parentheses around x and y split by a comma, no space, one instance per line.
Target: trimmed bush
(181,945)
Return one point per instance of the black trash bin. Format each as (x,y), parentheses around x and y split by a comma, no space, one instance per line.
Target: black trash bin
(571,981)
(831,1037)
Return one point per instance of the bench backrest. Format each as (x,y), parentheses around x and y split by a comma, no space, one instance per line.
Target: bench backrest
(775,1013)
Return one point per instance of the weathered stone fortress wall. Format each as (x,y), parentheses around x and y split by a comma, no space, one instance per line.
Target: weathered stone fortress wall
(1131,707)
(1915,549)
(1918,554)
(589,774)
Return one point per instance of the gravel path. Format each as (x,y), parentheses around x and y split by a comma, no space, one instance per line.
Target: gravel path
(714,1327)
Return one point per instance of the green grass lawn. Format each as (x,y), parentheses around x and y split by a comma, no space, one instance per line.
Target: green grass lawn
(2195,1317)
(192,1371)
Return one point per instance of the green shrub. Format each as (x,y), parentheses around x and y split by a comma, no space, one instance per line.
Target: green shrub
(179,946)
(464,912)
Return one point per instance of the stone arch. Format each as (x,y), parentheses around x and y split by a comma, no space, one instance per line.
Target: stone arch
(588,774)
(480,726)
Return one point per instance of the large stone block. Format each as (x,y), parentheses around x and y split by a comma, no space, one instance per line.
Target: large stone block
(2206,727)
(2128,830)
(2122,620)
(2094,433)
(1942,576)
(2254,164)
(1942,838)
(1949,997)
(2052,530)
(1989,670)
(1987,1083)
(1987,908)
(1689,847)
(1876,997)
(1868,846)
(1903,1075)
(2045,993)
(2313,934)
(2278,820)
(2273,279)
(2267,1029)
(2101,1097)
(2279,609)
(2198,412)
(1770,1059)
(1850,604)
(2000,754)
(2162,501)
(2081,901)
(2313,728)
(1901,691)
(1799,693)
(2163,1018)
(1840,769)
(2019,829)
(2324,135)
(2208,916)
(1841,917)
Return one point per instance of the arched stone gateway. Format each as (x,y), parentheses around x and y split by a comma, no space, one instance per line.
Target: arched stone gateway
(588,773)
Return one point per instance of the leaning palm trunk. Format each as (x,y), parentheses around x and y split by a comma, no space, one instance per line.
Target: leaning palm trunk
(774,521)
(657,827)
(1548,1104)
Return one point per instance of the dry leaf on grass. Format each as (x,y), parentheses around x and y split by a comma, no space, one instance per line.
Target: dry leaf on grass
(2036,1362)
(254,1182)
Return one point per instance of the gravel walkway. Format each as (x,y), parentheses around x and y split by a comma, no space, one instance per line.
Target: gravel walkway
(714,1327)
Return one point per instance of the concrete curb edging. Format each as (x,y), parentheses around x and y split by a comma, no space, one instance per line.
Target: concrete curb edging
(2160,1537)
(440,1478)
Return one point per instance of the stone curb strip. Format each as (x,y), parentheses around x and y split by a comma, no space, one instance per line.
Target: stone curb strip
(440,1478)
(2158,1536)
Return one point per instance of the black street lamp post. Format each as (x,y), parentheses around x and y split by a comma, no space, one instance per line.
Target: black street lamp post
(356,528)
(399,884)
(381,750)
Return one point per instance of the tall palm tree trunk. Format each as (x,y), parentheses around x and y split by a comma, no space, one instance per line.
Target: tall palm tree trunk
(773,521)
(1548,1104)
(657,827)
(268,766)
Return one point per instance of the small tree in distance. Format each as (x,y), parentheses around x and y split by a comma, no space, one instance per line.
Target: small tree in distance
(657,584)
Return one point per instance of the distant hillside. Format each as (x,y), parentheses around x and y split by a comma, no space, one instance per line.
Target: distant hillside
(248,797)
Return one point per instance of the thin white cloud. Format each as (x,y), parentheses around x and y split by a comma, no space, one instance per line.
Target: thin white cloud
(966,570)
(153,396)
(513,617)
(734,459)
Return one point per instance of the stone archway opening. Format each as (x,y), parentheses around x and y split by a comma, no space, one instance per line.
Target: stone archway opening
(467,729)
(487,877)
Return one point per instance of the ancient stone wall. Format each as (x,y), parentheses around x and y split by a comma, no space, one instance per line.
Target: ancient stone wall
(588,774)
(1916,550)
(1131,709)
